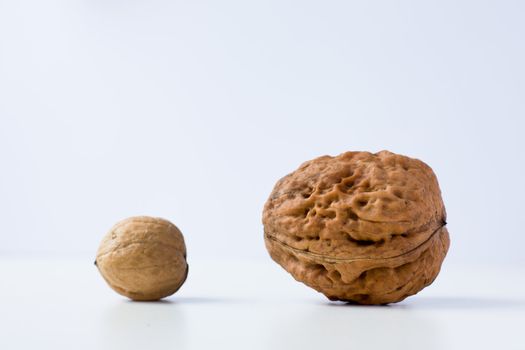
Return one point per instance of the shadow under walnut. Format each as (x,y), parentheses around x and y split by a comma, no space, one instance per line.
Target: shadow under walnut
(360,227)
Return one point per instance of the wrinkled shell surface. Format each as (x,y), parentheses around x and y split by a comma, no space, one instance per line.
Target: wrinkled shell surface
(143,258)
(361,227)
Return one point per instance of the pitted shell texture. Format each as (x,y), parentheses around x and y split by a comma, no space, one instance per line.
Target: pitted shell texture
(143,258)
(360,227)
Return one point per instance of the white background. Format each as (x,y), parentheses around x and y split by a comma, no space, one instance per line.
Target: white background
(191,110)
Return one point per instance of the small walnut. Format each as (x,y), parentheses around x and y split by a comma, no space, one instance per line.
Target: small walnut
(143,258)
(360,227)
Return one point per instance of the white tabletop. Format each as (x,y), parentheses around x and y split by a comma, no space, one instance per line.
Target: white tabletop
(65,304)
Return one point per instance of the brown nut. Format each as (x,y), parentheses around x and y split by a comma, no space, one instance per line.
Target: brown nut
(360,227)
(143,258)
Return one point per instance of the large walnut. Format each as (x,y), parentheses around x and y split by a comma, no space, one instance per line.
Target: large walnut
(360,227)
(143,258)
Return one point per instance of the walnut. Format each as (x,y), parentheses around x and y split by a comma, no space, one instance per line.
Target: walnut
(360,227)
(143,258)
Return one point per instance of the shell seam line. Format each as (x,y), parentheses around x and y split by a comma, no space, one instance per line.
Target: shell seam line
(321,257)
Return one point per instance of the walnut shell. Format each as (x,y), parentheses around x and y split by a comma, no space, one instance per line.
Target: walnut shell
(143,258)
(360,227)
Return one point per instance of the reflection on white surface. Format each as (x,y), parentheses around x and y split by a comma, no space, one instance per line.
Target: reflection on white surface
(57,304)
(355,327)
(459,303)
(143,325)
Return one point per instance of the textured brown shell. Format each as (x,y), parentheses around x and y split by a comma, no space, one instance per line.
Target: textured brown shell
(143,258)
(361,227)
